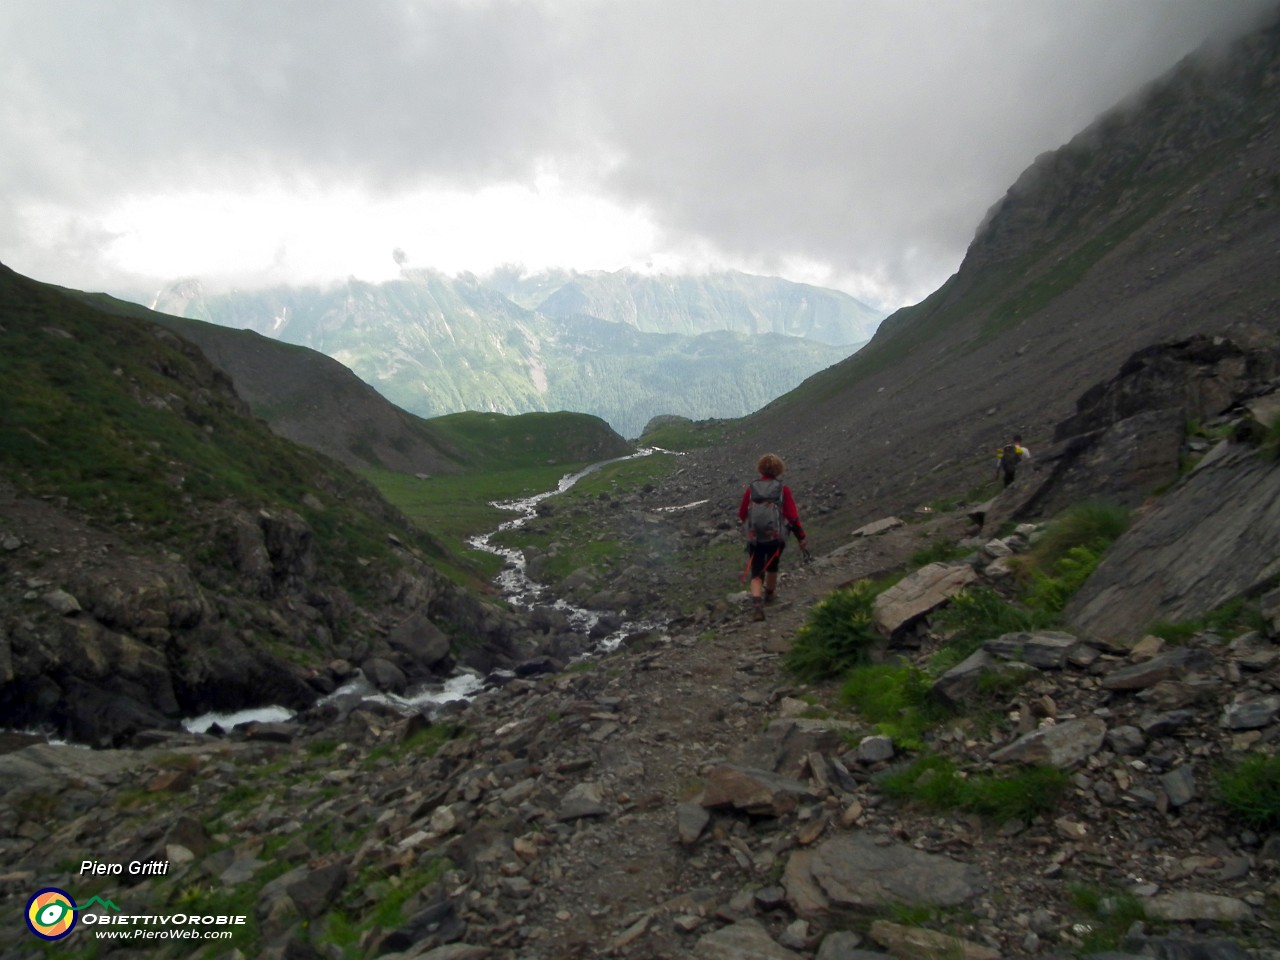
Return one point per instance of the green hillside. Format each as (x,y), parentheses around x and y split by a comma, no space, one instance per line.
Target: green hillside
(493,441)
(132,426)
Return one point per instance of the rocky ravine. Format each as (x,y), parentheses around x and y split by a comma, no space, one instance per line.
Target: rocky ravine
(674,800)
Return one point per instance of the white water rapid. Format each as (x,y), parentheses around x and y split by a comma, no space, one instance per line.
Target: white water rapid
(521,590)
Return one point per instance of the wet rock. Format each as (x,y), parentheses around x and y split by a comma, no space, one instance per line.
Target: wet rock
(417,638)
(384,675)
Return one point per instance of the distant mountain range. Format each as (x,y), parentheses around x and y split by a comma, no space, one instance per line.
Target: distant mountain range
(622,346)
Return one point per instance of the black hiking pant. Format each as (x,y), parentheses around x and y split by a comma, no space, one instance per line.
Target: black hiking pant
(765,556)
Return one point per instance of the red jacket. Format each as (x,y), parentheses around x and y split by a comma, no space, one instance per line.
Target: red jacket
(789,511)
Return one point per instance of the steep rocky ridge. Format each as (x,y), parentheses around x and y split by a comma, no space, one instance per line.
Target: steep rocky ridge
(1160,221)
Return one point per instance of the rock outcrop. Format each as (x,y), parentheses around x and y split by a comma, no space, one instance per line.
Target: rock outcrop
(1212,539)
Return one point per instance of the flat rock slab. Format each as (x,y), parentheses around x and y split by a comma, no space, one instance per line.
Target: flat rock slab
(855,872)
(1047,650)
(1173,665)
(918,943)
(745,940)
(1189,906)
(1064,745)
(758,792)
(878,526)
(920,593)
(48,767)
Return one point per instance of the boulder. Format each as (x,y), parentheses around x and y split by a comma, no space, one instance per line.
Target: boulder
(855,871)
(384,675)
(758,792)
(744,940)
(1046,650)
(918,942)
(919,594)
(420,640)
(1062,745)
(1214,537)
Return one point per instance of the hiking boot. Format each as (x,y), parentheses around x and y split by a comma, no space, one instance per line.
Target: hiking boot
(770,596)
(757,609)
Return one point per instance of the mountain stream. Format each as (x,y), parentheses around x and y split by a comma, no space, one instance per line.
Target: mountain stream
(517,587)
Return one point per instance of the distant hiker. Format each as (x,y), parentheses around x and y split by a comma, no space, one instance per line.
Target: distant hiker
(1009,456)
(767,512)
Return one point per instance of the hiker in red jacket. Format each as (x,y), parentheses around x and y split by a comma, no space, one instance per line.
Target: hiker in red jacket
(766,513)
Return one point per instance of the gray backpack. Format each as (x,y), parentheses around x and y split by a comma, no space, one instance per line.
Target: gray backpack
(765,523)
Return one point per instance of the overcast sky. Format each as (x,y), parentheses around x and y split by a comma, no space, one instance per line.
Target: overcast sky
(854,144)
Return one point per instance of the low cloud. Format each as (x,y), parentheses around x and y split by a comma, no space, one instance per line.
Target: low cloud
(864,139)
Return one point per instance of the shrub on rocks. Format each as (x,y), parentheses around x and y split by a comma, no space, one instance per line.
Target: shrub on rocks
(1251,790)
(838,635)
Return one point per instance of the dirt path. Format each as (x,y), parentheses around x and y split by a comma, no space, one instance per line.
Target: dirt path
(626,885)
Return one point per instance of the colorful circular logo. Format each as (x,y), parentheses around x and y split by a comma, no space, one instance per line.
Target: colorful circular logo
(51,914)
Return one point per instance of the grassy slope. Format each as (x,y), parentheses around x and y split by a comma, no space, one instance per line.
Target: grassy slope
(506,458)
(133,427)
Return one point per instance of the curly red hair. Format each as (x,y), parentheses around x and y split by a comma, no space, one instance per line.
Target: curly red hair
(770,465)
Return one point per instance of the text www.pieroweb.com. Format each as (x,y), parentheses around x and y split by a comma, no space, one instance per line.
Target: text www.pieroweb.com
(142,933)
(172,927)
